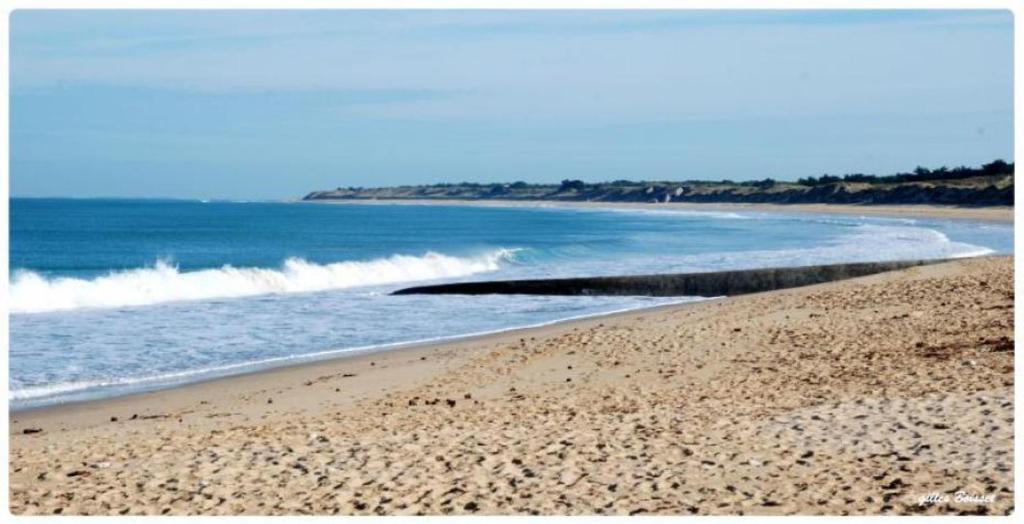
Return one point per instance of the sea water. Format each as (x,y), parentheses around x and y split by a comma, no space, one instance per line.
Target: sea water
(109,297)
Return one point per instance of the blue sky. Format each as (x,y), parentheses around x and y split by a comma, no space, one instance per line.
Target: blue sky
(273,104)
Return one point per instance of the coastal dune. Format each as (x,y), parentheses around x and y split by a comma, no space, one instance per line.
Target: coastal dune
(890,393)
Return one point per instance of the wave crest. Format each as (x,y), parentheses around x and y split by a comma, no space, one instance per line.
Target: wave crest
(34,293)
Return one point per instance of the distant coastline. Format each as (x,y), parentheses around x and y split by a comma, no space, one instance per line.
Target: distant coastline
(1002,214)
(990,185)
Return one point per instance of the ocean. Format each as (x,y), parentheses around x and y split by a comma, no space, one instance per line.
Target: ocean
(110,297)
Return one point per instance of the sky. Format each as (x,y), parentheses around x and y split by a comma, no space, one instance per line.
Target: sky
(274,104)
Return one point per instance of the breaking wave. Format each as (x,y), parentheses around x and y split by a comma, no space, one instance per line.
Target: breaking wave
(34,293)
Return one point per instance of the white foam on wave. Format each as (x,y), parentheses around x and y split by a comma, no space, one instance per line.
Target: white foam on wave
(34,293)
(870,242)
(873,242)
(891,242)
(68,391)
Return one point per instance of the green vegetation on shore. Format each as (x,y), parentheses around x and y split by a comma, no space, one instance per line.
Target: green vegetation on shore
(988,185)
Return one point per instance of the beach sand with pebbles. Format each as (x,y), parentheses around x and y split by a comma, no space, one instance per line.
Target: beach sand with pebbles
(854,397)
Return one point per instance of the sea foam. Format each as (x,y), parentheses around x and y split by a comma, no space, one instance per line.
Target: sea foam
(34,293)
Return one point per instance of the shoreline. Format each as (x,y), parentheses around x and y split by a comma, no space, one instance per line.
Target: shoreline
(999,215)
(664,410)
(66,415)
(996,214)
(354,355)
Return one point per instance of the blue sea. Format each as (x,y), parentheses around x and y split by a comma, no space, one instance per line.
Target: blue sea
(110,297)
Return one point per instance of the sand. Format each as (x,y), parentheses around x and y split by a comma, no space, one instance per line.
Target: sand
(854,397)
(1001,214)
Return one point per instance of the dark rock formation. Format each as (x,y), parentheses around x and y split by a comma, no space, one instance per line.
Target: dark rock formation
(711,284)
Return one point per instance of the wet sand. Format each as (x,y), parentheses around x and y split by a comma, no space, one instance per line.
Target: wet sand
(853,397)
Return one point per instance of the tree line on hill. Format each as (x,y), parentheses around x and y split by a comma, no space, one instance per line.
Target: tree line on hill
(920,174)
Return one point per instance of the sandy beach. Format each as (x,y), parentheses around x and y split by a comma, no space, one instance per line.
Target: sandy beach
(510,260)
(988,214)
(857,397)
